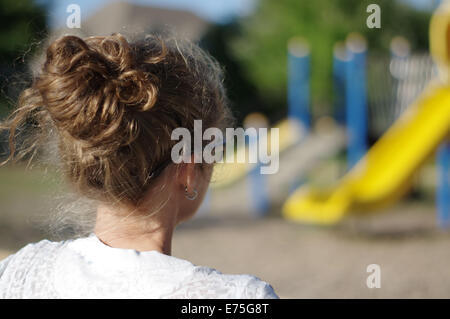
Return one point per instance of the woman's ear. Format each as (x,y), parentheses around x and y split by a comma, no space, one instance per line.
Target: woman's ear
(187,176)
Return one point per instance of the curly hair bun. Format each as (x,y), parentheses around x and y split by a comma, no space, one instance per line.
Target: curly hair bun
(91,84)
(114,105)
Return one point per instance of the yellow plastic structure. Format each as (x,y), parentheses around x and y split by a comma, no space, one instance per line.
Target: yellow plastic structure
(384,174)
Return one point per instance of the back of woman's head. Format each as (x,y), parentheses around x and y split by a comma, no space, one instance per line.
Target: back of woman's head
(114,104)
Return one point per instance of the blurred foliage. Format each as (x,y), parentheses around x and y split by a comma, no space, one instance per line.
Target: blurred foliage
(242,93)
(23,23)
(255,48)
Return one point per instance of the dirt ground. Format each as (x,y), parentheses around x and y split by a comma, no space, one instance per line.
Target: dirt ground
(306,262)
(309,262)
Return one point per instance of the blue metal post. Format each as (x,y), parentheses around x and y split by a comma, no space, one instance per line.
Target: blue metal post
(298,82)
(259,193)
(339,82)
(356,113)
(443,189)
(298,85)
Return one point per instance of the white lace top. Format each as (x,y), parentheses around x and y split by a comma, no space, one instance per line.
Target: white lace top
(87,268)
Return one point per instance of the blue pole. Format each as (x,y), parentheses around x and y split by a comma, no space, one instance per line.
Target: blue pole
(443,190)
(339,82)
(298,82)
(356,113)
(259,193)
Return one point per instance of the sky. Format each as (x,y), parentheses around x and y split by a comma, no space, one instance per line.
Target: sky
(423,4)
(213,10)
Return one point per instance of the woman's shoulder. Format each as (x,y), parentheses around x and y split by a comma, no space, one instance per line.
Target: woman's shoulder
(37,250)
(86,267)
(210,283)
(30,264)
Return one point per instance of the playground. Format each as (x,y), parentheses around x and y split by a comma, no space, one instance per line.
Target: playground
(366,217)
(368,183)
(374,176)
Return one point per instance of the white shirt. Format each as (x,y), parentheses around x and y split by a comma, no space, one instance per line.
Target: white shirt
(87,268)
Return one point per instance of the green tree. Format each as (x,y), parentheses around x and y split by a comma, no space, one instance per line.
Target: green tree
(242,93)
(261,45)
(22,22)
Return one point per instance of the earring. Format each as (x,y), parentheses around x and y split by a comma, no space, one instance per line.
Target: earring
(190,196)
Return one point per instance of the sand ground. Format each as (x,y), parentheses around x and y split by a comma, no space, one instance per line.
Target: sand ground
(309,262)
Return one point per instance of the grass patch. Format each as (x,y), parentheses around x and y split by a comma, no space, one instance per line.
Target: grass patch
(37,181)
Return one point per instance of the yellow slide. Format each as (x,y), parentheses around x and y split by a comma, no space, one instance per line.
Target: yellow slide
(383,175)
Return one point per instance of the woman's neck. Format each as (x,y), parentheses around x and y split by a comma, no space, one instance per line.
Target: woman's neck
(122,229)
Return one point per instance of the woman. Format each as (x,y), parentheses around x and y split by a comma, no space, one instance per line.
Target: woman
(113,106)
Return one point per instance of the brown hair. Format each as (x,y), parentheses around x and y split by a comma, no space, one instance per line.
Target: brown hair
(114,104)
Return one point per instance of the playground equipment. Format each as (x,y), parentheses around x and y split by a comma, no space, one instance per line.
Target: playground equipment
(394,83)
(298,82)
(356,98)
(300,150)
(293,129)
(443,193)
(227,174)
(384,174)
(294,164)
